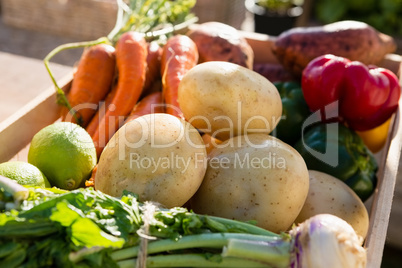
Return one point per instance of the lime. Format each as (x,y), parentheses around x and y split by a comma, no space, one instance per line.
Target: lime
(65,153)
(24,173)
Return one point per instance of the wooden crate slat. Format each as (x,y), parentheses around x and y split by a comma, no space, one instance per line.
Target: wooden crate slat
(383,197)
(17,130)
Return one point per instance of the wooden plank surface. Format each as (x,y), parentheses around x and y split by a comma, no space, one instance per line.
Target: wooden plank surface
(22,79)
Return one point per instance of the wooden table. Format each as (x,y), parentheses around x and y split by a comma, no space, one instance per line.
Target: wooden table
(23,79)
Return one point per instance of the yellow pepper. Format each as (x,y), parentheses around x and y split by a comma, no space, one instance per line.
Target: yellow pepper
(375,138)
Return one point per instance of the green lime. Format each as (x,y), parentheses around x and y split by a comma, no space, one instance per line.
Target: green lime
(65,153)
(24,173)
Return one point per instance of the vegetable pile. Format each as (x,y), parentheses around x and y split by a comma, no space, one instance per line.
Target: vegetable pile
(204,162)
(87,228)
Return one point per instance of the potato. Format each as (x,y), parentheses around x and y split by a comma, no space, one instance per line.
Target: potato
(354,40)
(217,41)
(224,100)
(330,195)
(158,156)
(254,177)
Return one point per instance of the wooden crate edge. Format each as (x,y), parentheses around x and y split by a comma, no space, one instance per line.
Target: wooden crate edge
(17,131)
(380,211)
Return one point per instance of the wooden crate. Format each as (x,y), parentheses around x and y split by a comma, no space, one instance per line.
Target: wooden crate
(81,19)
(17,131)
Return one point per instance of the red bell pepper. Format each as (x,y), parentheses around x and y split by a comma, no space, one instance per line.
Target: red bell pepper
(367,95)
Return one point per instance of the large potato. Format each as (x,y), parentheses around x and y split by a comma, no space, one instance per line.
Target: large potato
(254,177)
(158,156)
(224,100)
(330,195)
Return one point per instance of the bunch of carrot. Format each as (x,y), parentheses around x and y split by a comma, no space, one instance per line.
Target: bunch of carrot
(118,77)
(116,84)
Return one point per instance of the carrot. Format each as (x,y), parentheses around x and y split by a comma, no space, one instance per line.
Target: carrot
(210,142)
(94,123)
(152,103)
(179,55)
(92,81)
(91,181)
(153,66)
(131,55)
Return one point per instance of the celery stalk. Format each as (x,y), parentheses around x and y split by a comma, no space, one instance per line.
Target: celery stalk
(276,253)
(208,240)
(193,260)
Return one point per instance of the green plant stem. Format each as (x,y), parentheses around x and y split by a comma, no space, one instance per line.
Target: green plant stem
(171,29)
(192,260)
(121,18)
(61,97)
(207,240)
(275,253)
(245,227)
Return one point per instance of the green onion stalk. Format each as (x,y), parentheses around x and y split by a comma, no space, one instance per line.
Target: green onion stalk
(156,19)
(87,228)
(322,241)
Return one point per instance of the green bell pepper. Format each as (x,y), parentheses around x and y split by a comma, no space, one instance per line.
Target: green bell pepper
(294,112)
(355,164)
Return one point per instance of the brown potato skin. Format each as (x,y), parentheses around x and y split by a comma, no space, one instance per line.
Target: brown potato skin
(354,40)
(217,41)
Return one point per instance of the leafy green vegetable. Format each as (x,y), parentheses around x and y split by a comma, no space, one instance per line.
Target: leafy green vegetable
(84,232)
(85,226)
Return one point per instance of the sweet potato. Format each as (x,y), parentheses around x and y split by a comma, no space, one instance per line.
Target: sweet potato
(273,72)
(217,41)
(354,40)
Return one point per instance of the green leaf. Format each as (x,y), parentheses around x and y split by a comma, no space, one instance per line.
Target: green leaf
(63,214)
(86,233)
(83,231)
